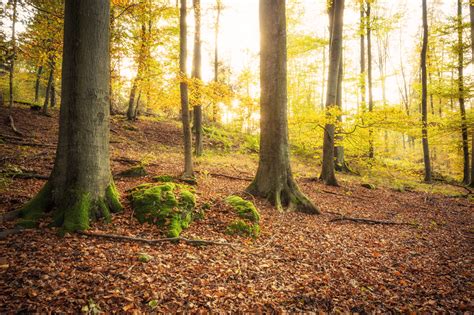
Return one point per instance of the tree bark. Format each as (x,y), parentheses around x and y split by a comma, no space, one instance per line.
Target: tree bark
(369,75)
(139,77)
(37,84)
(183,86)
(81,187)
(462,106)
(424,96)
(363,92)
(49,89)
(471,15)
(274,179)
(196,74)
(13,57)
(336,17)
(216,54)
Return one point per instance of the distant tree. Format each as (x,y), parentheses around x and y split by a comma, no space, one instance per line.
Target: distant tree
(188,161)
(274,179)
(369,74)
(81,187)
(424,110)
(336,13)
(14,17)
(196,74)
(471,15)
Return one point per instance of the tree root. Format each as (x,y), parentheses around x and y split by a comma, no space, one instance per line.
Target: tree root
(369,221)
(10,216)
(195,242)
(12,125)
(16,230)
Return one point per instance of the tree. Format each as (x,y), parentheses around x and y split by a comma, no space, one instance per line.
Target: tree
(369,74)
(471,14)
(424,95)
(336,13)
(132,105)
(462,106)
(363,101)
(274,179)
(188,161)
(14,48)
(81,187)
(196,74)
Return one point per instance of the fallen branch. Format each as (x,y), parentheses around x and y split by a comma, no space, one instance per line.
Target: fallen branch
(195,242)
(12,125)
(31,144)
(26,176)
(224,175)
(15,230)
(370,221)
(10,216)
(11,137)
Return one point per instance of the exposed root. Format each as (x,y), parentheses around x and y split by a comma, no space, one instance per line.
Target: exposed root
(370,221)
(12,125)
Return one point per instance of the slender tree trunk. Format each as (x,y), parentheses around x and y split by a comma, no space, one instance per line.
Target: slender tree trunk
(183,51)
(139,77)
(363,93)
(471,15)
(274,179)
(37,84)
(13,57)
(462,106)
(53,90)
(323,90)
(48,87)
(81,188)
(424,96)
(369,75)
(216,54)
(336,18)
(196,74)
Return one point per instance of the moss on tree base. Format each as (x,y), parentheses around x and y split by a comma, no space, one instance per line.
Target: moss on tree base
(76,215)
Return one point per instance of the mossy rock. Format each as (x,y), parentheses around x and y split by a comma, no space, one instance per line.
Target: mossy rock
(249,216)
(163,178)
(136,171)
(243,228)
(368,186)
(169,205)
(244,208)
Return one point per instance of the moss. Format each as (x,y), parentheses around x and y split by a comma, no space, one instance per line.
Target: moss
(244,209)
(240,227)
(144,257)
(163,178)
(113,198)
(168,205)
(36,207)
(76,217)
(135,171)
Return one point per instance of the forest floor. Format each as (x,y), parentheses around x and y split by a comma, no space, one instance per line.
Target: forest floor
(299,262)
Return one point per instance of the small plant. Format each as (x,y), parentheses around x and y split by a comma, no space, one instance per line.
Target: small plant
(144,257)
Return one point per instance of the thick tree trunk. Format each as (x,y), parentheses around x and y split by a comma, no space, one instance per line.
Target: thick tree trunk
(13,57)
(183,47)
(336,13)
(196,74)
(369,75)
(81,188)
(462,106)
(424,96)
(471,14)
(274,180)
(37,84)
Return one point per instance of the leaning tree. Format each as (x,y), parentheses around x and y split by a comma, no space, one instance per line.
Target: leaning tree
(274,179)
(80,188)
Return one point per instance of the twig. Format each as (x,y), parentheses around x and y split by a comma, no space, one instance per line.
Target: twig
(370,221)
(225,176)
(12,124)
(196,242)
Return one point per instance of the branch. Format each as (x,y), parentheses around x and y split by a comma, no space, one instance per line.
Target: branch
(12,125)
(5,233)
(369,221)
(26,176)
(195,242)
(224,175)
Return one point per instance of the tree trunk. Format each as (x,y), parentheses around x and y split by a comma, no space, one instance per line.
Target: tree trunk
(323,89)
(13,57)
(274,179)
(53,89)
(424,96)
(336,13)
(471,14)
(216,55)
(183,86)
(363,101)
(369,75)
(139,77)
(48,88)
(462,106)
(81,188)
(37,84)
(196,74)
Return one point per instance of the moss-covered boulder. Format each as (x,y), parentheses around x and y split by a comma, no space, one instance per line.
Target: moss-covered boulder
(135,171)
(248,224)
(169,205)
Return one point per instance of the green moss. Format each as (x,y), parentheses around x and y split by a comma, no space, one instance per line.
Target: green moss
(113,198)
(76,217)
(240,227)
(36,207)
(163,178)
(244,209)
(168,205)
(144,257)
(136,171)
